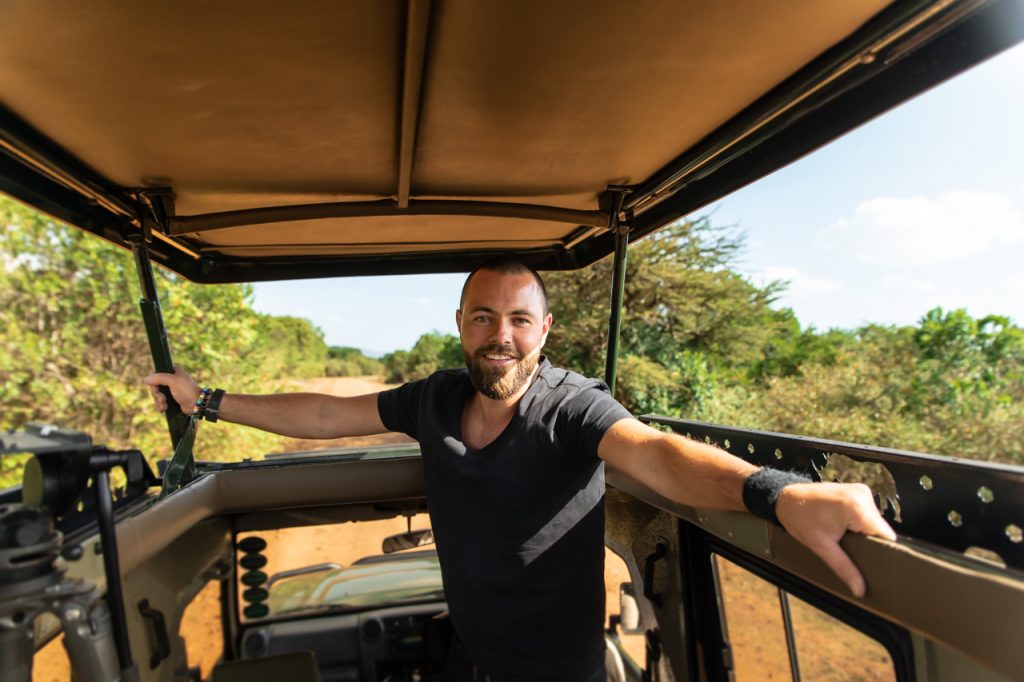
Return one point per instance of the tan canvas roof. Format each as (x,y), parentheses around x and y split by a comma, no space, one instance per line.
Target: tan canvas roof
(381,111)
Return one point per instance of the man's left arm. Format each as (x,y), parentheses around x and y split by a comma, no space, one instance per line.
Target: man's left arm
(700,475)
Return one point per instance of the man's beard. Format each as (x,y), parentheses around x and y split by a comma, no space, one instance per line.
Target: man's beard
(500,383)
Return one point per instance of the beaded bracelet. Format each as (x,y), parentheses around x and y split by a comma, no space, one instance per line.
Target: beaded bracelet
(201,401)
(212,412)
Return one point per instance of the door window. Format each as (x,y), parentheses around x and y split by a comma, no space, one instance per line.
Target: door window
(773,635)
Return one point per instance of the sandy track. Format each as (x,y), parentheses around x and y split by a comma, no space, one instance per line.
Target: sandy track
(343,387)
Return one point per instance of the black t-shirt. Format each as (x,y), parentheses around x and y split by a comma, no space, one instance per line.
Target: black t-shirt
(519,524)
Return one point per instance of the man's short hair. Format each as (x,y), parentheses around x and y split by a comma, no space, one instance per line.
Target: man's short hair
(506,265)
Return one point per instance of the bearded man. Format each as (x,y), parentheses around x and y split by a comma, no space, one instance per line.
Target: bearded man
(513,455)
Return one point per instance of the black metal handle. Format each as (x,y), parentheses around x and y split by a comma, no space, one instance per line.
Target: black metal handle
(160,644)
(112,566)
(660,551)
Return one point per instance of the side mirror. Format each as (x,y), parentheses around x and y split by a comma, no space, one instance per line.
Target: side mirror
(629,611)
(409,540)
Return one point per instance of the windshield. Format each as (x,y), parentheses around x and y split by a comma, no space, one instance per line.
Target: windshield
(393,580)
(341,567)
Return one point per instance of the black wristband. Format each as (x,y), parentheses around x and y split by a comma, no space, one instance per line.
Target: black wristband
(762,488)
(213,406)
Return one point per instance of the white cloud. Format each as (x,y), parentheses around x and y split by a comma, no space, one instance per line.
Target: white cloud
(902,280)
(800,284)
(914,231)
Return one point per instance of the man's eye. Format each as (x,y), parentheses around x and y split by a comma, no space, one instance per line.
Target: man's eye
(521,321)
(481,318)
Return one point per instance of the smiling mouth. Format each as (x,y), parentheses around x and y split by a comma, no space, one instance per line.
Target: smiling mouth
(498,356)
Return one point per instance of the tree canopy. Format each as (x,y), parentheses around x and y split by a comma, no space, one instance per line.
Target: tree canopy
(73,350)
(701,341)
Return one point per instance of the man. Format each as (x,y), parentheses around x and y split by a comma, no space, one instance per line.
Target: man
(513,455)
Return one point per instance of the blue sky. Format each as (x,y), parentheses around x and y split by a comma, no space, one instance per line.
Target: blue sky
(922,207)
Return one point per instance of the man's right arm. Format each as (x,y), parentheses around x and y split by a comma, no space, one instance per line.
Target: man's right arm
(299,415)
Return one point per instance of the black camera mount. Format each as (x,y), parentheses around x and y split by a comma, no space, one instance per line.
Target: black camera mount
(65,464)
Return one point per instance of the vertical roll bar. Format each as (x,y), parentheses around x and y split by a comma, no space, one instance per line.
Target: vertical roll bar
(156,332)
(621,233)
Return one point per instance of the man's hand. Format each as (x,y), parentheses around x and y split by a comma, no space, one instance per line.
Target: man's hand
(184,389)
(819,514)
(701,475)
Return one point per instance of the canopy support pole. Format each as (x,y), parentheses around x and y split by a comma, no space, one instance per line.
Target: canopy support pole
(159,347)
(621,232)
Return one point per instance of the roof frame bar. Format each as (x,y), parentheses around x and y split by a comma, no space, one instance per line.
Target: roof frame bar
(41,155)
(945,45)
(417,28)
(207,222)
(909,24)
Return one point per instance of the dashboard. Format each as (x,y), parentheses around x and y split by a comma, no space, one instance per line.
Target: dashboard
(395,644)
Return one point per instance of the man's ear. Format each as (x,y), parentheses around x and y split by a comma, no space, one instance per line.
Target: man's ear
(458,320)
(548,321)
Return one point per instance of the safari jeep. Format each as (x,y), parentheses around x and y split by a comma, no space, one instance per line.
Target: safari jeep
(243,142)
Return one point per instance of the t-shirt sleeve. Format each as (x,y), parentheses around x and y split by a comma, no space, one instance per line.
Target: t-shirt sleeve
(399,408)
(587,416)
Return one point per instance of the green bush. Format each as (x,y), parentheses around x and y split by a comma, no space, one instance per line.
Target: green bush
(351,362)
(431,352)
(73,350)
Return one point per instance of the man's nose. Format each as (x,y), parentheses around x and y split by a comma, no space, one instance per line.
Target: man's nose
(503,332)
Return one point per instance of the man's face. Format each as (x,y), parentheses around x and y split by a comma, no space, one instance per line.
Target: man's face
(503,327)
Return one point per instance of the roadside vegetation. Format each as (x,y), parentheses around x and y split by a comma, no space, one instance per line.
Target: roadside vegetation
(343,361)
(73,349)
(699,341)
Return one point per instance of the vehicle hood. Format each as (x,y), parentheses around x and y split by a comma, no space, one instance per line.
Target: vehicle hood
(372,582)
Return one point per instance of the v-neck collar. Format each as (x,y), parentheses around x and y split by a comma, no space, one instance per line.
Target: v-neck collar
(517,414)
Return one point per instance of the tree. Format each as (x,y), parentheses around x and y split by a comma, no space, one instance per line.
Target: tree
(950,385)
(343,361)
(73,350)
(290,347)
(431,352)
(689,319)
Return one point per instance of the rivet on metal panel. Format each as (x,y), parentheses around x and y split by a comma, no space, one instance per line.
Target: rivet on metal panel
(986,555)
(985,494)
(954,518)
(727,444)
(926,482)
(778,453)
(750,448)
(1014,532)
